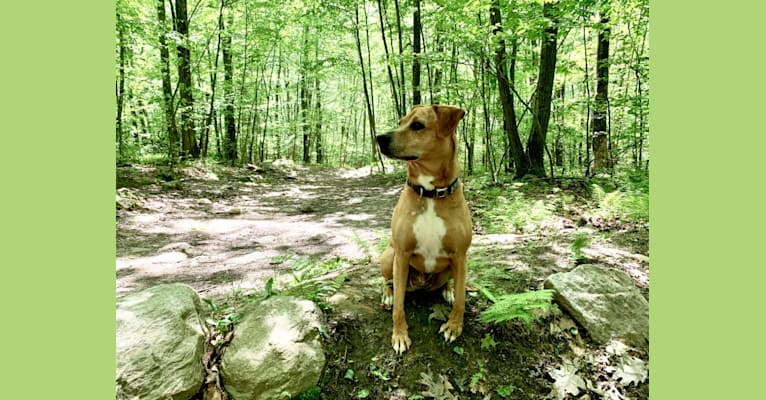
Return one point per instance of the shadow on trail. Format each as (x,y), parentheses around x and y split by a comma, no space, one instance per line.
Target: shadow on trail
(225,230)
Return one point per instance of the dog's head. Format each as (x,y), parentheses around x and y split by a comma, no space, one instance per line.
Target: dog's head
(427,132)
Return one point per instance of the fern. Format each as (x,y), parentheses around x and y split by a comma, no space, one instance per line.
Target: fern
(580,241)
(518,306)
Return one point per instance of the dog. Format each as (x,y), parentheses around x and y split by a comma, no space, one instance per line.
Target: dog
(431,225)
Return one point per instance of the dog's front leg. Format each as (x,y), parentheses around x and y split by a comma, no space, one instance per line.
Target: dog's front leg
(454,325)
(400,340)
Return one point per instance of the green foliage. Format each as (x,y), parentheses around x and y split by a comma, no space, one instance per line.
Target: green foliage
(579,242)
(458,350)
(363,394)
(488,342)
(349,374)
(524,306)
(630,205)
(220,319)
(309,278)
(379,372)
(506,209)
(313,393)
(476,385)
(505,391)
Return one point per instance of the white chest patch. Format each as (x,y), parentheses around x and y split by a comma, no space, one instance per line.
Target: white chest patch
(429,231)
(425,181)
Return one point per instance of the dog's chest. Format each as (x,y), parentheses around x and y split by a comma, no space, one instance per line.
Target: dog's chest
(429,230)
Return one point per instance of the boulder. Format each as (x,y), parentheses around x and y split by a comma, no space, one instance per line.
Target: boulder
(276,349)
(160,342)
(605,302)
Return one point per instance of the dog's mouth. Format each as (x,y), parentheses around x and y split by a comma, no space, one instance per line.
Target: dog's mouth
(384,143)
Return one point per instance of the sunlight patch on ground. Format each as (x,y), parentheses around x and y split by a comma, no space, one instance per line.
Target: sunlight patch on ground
(355,173)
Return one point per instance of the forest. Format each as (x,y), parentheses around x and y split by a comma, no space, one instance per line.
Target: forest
(248,175)
(550,88)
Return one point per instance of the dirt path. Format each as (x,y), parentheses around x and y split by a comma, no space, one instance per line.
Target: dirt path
(218,233)
(231,230)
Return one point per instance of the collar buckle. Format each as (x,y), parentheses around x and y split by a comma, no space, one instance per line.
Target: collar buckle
(441,192)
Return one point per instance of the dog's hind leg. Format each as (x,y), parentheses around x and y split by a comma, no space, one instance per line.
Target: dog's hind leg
(445,282)
(387,270)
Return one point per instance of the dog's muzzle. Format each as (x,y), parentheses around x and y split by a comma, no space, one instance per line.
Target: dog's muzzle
(384,143)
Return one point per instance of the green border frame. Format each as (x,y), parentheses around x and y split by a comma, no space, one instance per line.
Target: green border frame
(706,219)
(58,251)
(58,200)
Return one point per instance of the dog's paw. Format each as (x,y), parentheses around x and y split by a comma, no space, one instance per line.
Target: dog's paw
(449,294)
(387,300)
(451,330)
(400,342)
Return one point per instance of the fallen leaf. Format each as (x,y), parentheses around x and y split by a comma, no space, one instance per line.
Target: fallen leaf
(440,312)
(566,380)
(631,370)
(438,389)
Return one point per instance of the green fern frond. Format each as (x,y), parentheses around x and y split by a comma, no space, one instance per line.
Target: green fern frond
(518,306)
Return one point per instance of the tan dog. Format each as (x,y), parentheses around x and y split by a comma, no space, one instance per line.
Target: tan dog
(431,224)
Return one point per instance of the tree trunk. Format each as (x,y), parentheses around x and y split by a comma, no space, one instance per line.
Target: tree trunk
(601,104)
(120,86)
(402,85)
(370,115)
(394,94)
(542,103)
(318,122)
(228,89)
(416,32)
(204,138)
(186,104)
(509,113)
(304,95)
(167,91)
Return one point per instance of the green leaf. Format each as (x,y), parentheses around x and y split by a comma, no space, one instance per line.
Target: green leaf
(488,342)
(505,390)
(458,350)
(362,394)
(349,374)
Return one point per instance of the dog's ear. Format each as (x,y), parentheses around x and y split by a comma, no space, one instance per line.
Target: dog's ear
(448,117)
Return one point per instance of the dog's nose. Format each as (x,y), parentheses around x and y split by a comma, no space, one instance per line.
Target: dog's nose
(384,140)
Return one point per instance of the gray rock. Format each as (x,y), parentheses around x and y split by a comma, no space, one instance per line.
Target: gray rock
(605,302)
(160,342)
(275,349)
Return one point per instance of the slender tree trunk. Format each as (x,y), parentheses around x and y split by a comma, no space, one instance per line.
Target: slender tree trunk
(601,104)
(186,104)
(318,121)
(370,114)
(394,94)
(120,86)
(167,91)
(402,85)
(542,103)
(204,138)
(416,32)
(304,95)
(228,89)
(509,113)
(587,104)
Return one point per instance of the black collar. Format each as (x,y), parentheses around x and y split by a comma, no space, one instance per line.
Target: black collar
(438,193)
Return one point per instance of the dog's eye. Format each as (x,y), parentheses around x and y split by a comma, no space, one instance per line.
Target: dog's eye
(416,126)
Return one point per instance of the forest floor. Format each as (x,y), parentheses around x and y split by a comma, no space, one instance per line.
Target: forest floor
(234,234)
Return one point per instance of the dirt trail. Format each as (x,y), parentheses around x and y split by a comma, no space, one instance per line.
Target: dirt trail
(229,231)
(221,232)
